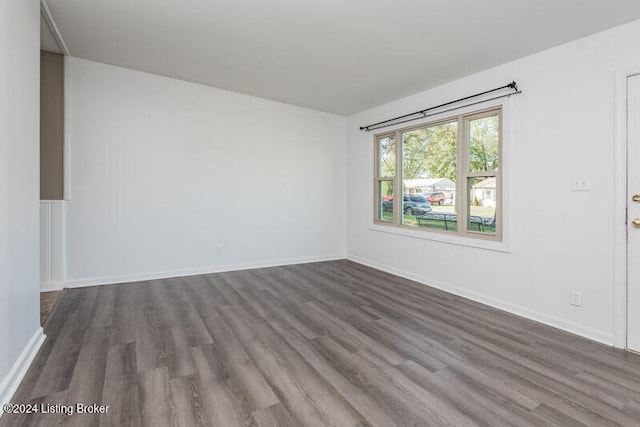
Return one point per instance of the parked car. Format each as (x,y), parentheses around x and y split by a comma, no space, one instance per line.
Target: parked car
(412,204)
(435,198)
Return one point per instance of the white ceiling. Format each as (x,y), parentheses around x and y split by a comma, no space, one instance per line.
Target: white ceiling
(340,56)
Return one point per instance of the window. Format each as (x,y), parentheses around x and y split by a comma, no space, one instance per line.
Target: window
(448,173)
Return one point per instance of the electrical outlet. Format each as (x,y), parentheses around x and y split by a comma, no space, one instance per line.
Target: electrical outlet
(576,298)
(580,183)
(219,249)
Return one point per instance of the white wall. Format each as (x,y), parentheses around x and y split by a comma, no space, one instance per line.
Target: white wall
(163,170)
(19,186)
(563,125)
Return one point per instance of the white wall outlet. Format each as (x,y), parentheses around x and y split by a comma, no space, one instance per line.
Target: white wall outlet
(576,298)
(580,183)
(219,249)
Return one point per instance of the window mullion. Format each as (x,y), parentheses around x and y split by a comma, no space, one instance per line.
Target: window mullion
(461,176)
(376,180)
(397,183)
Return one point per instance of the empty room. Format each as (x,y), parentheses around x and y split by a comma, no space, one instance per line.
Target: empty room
(339,213)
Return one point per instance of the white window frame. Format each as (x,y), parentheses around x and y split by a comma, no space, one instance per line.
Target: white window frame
(497,241)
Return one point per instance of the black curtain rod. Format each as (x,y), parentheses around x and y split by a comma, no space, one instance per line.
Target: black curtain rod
(391,122)
(374,127)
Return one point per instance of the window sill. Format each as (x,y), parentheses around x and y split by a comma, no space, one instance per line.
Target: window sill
(444,238)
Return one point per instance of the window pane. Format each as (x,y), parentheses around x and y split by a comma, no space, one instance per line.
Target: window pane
(384,210)
(482,204)
(429,176)
(484,144)
(387,150)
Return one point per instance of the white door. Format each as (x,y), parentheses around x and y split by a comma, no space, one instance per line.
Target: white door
(633,213)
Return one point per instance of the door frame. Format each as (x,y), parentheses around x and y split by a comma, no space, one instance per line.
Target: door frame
(620,208)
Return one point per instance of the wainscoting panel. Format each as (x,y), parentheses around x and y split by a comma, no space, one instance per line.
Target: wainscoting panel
(52,265)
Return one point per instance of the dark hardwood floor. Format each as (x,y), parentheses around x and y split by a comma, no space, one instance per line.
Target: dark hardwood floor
(47,301)
(324,344)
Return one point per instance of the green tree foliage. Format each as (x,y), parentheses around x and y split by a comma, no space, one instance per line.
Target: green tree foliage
(483,144)
(431,152)
(386,188)
(388,156)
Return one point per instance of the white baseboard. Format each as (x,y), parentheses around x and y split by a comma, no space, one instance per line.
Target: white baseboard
(79,283)
(12,380)
(51,286)
(592,334)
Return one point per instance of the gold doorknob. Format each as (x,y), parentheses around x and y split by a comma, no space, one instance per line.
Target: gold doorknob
(636,222)
(636,198)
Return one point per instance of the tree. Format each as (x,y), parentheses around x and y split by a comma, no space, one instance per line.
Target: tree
(483,144)
(431,152)
(442,151)
(388,156)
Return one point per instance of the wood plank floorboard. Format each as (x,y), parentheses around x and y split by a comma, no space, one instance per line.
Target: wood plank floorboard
(47,301)
(322,344)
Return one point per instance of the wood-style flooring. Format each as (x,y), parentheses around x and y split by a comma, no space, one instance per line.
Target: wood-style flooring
(47,301)
(324,344)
